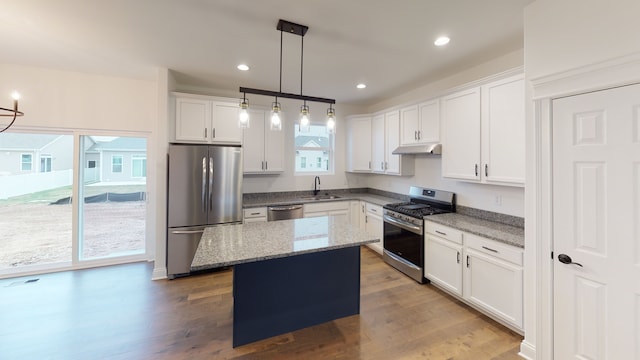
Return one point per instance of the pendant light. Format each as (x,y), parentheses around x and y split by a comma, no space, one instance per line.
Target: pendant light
(243,114)
(276,116)
(331,120)
(276,110)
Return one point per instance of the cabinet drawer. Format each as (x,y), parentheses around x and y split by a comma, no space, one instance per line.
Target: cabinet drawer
(255,212)
(376,209)
(326,206)
(443,232)
(496,249)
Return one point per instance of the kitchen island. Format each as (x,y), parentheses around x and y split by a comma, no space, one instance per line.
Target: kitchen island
(287,274)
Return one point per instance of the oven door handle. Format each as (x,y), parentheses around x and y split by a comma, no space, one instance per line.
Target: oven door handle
(403,224)
(401,260)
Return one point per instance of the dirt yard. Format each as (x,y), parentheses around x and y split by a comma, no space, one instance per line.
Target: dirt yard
(39,233)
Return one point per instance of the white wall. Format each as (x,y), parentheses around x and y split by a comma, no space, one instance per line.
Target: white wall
(501,199)
(568,34)
(72,100)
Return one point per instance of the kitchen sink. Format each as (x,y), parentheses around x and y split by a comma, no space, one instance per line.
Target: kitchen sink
(320,197)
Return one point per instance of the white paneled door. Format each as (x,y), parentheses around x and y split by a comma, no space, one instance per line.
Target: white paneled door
(596,200)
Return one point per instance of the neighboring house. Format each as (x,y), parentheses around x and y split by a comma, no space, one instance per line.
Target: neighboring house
(123,159)
(312,153)
(34,153)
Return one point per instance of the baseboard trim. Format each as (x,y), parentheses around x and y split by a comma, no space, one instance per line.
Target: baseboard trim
(159,273)
(527,351)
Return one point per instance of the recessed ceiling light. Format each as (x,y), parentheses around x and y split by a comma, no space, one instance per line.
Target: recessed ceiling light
(243,67)
(442,40)
(361,86)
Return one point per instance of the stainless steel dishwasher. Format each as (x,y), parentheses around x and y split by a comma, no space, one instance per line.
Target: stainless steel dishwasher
(284,212)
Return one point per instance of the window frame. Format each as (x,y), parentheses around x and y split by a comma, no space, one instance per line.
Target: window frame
(113,157)
(48,165)
(138,157)
(329,149)
(22,163)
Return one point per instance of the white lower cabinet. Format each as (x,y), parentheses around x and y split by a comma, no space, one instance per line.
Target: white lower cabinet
(443,257)
(354,213)
(493,278)
(255,215)
(340,209)
(484,273)
(374,225)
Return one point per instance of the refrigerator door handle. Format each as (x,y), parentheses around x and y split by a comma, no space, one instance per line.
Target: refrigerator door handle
(204,184)
(182,232)
(211,183)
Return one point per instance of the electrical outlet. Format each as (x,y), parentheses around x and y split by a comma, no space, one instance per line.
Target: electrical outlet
(498,200)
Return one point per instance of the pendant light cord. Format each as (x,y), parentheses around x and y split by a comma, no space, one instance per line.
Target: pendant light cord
(280,61)
(301,63)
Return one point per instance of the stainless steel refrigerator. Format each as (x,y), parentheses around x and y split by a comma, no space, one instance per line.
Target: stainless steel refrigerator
(204,189)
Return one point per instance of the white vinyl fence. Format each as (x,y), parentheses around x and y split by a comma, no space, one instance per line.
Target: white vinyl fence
(15,185)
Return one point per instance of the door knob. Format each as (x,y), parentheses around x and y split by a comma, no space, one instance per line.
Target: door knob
(566,259)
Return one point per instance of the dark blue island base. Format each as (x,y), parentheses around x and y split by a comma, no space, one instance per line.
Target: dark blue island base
(276,296)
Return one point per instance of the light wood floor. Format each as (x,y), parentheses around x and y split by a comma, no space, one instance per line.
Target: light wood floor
(118,313)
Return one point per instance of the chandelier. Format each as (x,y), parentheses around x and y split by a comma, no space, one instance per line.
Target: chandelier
(4,112)
(276,109)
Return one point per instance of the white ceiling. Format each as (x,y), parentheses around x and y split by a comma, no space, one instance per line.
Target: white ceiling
(386,44)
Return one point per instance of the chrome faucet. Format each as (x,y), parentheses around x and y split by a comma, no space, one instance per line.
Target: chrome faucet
(316,185)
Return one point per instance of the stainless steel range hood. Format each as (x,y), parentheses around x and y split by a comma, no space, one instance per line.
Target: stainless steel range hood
(433,149)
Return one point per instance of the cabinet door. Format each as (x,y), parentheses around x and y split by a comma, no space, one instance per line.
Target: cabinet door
(443,263)
(409,125)
(429,126)
(378,140)
(354,213)
(494,285)
(461,135)
(359,152)
(253,143)
(374,226)
(225,129)
(274,147)
(392,141)
(193,117)
(503,119)
(362,212)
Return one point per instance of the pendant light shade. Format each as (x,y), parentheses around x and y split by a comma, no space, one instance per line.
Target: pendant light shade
(305,119)
(276,117)
(331,120)
(243,114)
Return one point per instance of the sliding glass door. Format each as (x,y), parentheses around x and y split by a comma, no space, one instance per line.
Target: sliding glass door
(42,175)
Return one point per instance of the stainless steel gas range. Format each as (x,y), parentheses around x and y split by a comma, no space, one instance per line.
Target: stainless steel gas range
(404,228)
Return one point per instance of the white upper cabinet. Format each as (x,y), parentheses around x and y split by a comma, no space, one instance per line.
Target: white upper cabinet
(263,148)
(359,144)
(377,143)
(483,133)
(461,135)
(420,124)
(503,121)
(205,120)
(385,138)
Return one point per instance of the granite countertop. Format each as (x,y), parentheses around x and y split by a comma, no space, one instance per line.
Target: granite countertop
(507,234)
(236,244)
(285,199)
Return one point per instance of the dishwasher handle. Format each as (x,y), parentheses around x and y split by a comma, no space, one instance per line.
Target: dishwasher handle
(285,208)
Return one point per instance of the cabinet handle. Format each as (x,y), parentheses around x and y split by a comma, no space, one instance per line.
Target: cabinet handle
(419,135)
(262,165)
(205,133)
(366,219)
(476,170)
(467,261)
(490,249)
(382,165)
(415,135)
(255,213)
(213,133)
(458,257)
(386,165)
(369,165)
(266,165)
(363,209)
(441,233)
(486,170)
